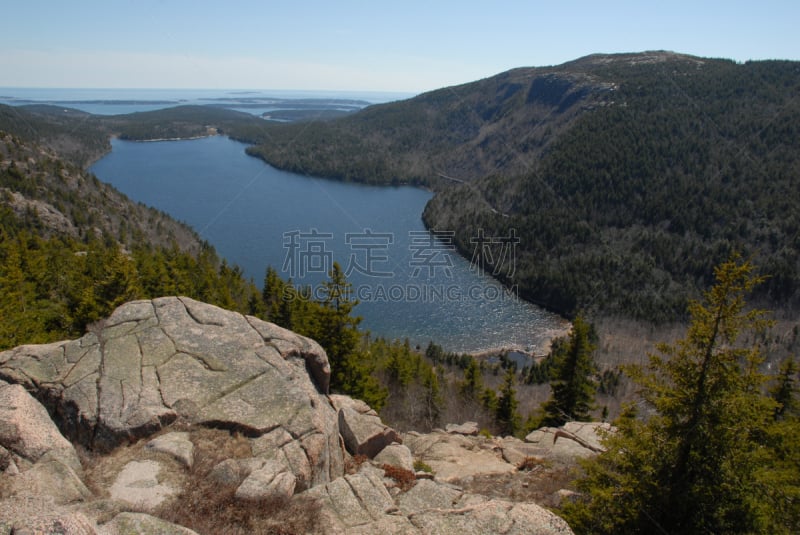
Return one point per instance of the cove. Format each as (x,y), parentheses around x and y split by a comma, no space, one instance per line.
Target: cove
(410,283)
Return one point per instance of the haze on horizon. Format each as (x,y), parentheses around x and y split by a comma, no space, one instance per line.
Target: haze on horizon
(402,47)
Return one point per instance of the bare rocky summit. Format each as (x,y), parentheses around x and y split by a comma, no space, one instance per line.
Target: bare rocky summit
(165,391)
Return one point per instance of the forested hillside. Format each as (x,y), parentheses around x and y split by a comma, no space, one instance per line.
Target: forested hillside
(626,177)
(449,135)
(633,206)
(73,248)
(82,138)
(75,135)
(186,122)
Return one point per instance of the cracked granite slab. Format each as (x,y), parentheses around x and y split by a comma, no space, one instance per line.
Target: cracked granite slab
(153,361)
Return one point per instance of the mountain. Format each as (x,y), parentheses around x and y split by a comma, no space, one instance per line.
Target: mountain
(626,177)
(463,132)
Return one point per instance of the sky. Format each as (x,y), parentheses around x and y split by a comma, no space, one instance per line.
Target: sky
(400,46)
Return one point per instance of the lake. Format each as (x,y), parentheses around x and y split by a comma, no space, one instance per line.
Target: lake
(410,283)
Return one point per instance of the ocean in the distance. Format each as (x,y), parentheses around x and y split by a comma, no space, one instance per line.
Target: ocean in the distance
(410,284)
(121,101)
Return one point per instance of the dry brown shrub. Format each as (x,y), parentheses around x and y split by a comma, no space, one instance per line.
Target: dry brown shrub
(531,463)
(405,478)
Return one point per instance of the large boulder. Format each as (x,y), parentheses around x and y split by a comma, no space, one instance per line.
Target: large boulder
(176,444)
(517,452)
(48,477)
(467,428)
(572,441)
(362,430)
(396,455)
(428,494)
(27,431)
(359,503)
(492,516)
(41,515)
(152,362)
(590,435)
(271,481)
(39,461)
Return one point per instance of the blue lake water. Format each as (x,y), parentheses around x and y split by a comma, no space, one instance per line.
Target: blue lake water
(410,283)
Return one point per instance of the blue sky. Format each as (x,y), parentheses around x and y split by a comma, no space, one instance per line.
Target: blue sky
(408,46)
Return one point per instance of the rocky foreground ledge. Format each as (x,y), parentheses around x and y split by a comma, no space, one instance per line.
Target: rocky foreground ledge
(158,381)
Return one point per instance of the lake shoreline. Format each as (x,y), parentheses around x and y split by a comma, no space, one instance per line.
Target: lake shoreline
(247,209)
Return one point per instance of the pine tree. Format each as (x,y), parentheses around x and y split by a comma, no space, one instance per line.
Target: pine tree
(785,391)
(488,399)
(336,330)
(705,460)
(272,293)
(432,396)
(471,387)
(508,420)
(400,365)
(434,353)
(573,387)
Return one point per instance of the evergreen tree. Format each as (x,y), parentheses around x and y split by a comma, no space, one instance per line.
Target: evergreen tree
(706,459)
(272,293)
(337,332)
(402,365)
(432,396)
(120,282)
(508,420)
(573,387)
(489,400)
(471,387)
(785,391)
(434,353)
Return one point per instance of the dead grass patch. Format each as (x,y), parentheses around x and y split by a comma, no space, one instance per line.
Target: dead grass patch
(101,470)
(209,507)
(206,506)
(532,463)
